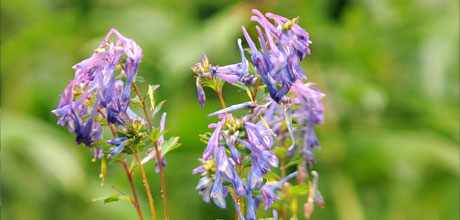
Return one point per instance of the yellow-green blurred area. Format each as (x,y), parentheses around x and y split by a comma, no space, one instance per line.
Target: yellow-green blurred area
(389,69)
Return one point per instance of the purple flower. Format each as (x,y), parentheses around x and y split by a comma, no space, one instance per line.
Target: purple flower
(310,112)
(251,212)
(205,184)
(235,155)
(245,105)
(200,90)
(255,176)
(269,196)
(227,171)
(95,82)
(306,109)
(215,138)
(121,144)
(231,73)
(279,64)
(219,192)
(275,214)
(237,208)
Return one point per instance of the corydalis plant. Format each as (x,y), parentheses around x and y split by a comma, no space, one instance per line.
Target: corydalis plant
(99,97)
(248,157)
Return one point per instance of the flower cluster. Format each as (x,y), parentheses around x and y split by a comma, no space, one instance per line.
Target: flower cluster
(306,109)
(212,76)
(275,133)
(99,97)
(228,135)
(278,63)
(97,87)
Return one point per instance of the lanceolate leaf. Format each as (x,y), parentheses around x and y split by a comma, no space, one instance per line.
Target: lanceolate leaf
(169,145)
(298,190)
(114,198)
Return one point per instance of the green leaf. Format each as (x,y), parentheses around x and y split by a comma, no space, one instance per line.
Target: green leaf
(114,198)
(240,85)
(155,134)
(298,190)
(158,108)
(169,145)
(101,143)
(152,89)
(280,151)
(139,79)
(136,102)
(215,83)
(152,99)
(252,69)
(272,176)
(295,161)
(261,96)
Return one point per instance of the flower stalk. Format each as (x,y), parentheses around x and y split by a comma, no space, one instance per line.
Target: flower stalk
(135,202)
(146,184)
(157,151)
(163,184)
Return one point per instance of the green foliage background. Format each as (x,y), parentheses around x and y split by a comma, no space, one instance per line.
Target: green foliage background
(389,69)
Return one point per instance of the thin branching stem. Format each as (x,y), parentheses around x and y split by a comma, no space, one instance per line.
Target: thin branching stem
(146,185)
(130,178)
(157,151)
(146,112)
(163,184)
(129,174)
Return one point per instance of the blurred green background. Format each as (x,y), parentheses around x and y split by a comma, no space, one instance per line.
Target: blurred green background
(389,69)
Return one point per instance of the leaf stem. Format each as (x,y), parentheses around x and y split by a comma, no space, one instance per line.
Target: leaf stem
(146,184)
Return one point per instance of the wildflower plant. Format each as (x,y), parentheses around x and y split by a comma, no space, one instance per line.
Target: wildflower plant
(100,98)
(248,157)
